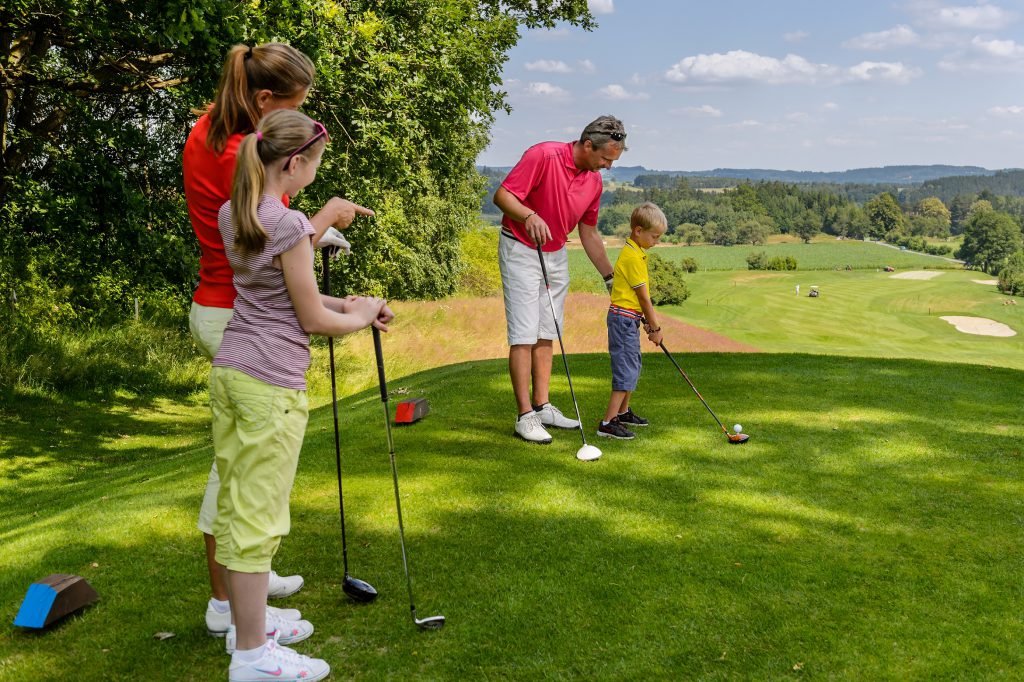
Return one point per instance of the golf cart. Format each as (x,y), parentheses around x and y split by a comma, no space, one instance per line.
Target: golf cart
(814,292)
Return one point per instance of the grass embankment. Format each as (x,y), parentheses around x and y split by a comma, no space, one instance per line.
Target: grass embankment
(862,533)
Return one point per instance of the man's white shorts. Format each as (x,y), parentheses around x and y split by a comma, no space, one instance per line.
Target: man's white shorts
(527,310)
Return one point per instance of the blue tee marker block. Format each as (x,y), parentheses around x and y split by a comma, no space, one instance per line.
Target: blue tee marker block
(36,606)
(50,599)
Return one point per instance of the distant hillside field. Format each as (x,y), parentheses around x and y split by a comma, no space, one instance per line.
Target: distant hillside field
(819,255)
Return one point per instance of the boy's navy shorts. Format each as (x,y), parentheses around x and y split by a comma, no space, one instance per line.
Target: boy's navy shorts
(624,349)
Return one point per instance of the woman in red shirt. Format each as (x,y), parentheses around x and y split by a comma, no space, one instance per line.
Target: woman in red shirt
(254,82)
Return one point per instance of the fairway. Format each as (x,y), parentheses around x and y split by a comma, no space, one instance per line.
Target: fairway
(861,533)
(865,312)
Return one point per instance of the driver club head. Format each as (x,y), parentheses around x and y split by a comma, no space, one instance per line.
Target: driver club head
(588,453)
(738,438)
(358,590)
(429,623)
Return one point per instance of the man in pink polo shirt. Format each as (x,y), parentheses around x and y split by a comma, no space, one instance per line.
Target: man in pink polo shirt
(555,188)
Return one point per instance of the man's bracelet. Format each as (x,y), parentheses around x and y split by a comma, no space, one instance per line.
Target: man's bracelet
(528,217)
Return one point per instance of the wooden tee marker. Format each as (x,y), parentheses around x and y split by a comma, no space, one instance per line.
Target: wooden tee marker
(53,597)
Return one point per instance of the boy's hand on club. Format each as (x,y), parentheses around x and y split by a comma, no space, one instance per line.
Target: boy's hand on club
(655,337)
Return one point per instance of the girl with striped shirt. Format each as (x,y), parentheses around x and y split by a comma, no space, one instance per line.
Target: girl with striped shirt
(257,384)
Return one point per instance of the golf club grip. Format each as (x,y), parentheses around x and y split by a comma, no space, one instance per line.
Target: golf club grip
(543,267)
(327,271)
(380,365)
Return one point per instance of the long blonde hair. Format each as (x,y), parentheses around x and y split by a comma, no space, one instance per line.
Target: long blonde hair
(277,67)
(278,135)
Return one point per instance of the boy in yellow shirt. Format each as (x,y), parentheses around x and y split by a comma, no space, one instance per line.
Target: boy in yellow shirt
(631,302)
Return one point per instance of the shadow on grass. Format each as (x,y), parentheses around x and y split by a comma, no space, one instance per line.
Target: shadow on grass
(869,529)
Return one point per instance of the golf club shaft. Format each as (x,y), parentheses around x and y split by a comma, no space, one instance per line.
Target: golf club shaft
(561,346)
(334,406)
(662,344)
(394,468)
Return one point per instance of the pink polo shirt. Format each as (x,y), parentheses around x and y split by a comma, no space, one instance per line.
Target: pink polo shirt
(547,181)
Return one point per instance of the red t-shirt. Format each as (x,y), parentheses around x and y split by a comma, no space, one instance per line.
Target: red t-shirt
(208,178)
(546,180)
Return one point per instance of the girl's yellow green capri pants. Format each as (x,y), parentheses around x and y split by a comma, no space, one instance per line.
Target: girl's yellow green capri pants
(257,434)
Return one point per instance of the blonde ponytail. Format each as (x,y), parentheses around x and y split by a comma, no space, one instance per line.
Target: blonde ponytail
(250,177)
(279,135)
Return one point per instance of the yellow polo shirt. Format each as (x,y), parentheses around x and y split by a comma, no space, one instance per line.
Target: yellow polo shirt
(630,273)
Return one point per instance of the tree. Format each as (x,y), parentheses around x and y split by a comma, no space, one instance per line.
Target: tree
(807,226)
(932,207)
(95,103)
(1011,276)
(884,216)
(753,231)
(990,238)
(667,285)
(691,233)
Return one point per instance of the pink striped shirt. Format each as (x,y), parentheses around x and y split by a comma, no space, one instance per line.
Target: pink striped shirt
(264,338)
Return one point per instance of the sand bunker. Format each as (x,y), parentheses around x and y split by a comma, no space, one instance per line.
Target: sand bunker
(979,325)
(916,274)
(991,282)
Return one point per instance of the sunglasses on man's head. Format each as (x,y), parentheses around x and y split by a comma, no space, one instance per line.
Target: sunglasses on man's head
(618,137)
(321,131)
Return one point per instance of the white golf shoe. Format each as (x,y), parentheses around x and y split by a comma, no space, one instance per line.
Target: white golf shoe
(552,416)
(281,586)
(529,428)
(278,663)
(279,630)
(217,623)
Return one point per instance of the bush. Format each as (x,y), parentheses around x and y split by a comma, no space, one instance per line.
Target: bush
(667,285)
(782,263)
(480,275)
(1011,277)
(688,264)
(757,260)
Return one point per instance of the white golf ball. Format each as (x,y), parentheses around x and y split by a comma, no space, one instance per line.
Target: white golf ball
(737,428)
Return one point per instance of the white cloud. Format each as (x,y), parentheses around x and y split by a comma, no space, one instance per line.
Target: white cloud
(601,6)
(587,66)
(746,124)
(615,91)
(542,89)
(548,66)
(1001,49)
(829,106)
(991,56)
(900,36)
(742,66)
(981,17)
(795,36)
(887,72)
(704,110)
(1013,110)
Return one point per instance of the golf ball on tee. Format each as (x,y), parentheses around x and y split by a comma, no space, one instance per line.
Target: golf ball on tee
(737,428)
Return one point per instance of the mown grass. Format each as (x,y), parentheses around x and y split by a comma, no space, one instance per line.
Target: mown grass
(825,254)
(869,530)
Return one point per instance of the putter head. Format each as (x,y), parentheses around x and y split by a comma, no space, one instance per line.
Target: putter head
(429,623)
(738,438)
(358,590)
(588,453)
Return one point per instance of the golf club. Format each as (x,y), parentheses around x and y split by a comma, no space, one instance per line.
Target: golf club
(587,453)
(431,622)
(357,590)
(734,438)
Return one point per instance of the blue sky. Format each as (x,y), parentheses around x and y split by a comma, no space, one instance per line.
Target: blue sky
(787,84)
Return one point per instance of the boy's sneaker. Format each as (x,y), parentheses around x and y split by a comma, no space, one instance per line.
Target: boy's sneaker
(281,586)
(614,429)
(529,428)
(552,416)
(279,663)
(630,418)
(278,629)
(217,623)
